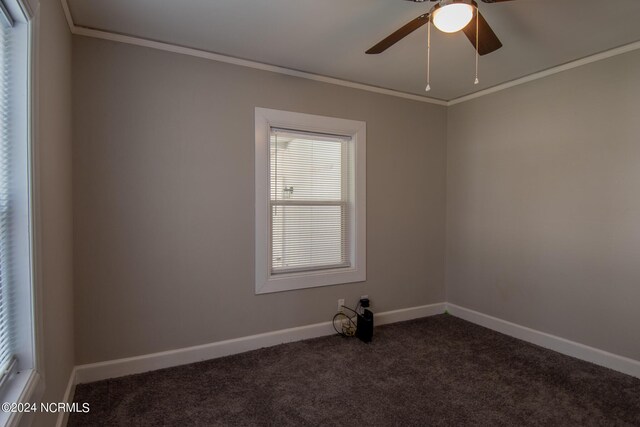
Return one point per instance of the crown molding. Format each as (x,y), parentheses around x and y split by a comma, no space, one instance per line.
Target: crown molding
(550,71)
(67,15)
(169,47)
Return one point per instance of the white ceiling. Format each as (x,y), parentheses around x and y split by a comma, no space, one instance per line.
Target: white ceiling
(329,37)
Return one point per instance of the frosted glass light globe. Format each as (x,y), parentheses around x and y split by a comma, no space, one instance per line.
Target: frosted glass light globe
(452,17)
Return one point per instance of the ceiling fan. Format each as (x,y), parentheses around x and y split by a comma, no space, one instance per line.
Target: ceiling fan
(450,16)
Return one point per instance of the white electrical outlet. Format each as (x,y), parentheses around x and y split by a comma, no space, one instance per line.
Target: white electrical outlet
(340,305)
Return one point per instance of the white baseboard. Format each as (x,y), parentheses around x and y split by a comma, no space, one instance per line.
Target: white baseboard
(166,359)
(403,314)
(570,348)
(63,416)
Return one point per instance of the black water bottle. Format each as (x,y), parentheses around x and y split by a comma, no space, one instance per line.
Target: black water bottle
(364,328)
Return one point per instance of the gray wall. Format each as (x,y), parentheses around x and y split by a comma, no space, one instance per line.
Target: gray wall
(54,186)
(543,206)
(163,200)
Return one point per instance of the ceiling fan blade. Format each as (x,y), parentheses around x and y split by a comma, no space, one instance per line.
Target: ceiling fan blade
(399,34)
(487,39)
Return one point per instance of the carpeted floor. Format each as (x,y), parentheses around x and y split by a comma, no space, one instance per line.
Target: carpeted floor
(439,370)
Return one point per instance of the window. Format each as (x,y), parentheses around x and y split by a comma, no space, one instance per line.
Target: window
(308,183)
(310,201)
(18,376)
(7,359)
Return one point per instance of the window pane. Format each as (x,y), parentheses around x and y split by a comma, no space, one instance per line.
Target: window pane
(308,236)
(303,168)
(6,350)
(308,208)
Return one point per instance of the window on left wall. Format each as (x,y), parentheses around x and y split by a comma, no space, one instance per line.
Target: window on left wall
(19,377)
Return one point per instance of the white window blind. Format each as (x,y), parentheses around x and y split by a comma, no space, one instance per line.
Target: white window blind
(309,201)
(6,333)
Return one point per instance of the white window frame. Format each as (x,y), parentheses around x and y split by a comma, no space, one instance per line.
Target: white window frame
(26,382)
(265,119)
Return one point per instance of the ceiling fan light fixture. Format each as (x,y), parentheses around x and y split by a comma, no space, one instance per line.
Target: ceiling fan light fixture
(452,16)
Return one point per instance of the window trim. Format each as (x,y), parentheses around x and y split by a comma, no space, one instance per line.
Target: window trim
(29,385)
(265,282)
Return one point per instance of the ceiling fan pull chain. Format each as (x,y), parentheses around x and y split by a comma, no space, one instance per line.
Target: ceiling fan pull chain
(428,88)
(477,14)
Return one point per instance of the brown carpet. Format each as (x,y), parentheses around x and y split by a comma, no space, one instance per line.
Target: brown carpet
(439,370)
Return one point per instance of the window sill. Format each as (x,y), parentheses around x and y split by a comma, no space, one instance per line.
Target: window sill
(27,386)
(310,279)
